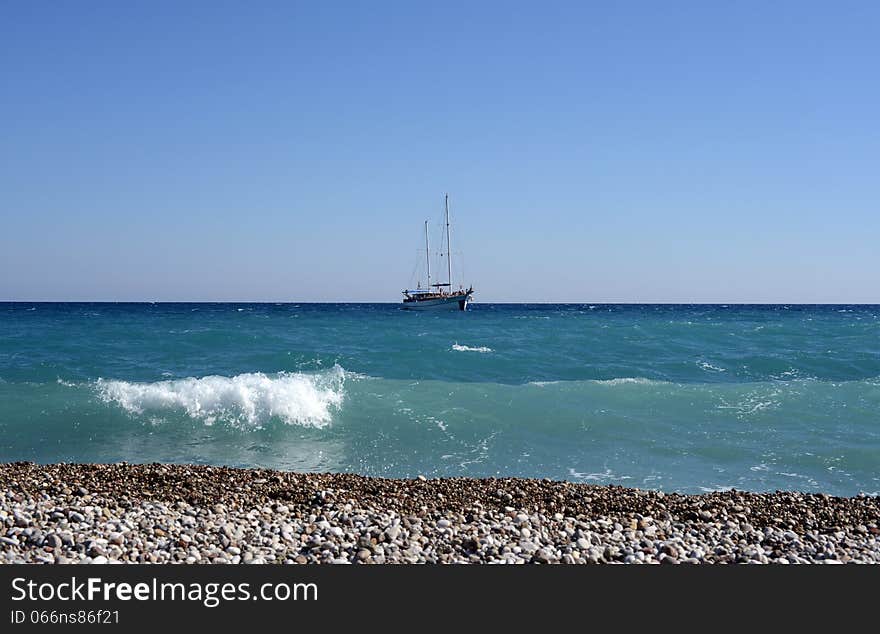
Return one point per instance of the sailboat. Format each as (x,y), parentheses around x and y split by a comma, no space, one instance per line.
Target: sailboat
(438,296)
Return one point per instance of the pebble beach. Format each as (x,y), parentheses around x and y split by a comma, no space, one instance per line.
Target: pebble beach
(157,513)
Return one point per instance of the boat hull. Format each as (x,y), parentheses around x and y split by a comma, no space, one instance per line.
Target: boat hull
(454,302)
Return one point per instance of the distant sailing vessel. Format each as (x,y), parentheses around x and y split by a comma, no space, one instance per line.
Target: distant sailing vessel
(439,296)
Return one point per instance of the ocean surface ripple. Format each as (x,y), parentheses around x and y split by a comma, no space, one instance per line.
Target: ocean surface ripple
(676,397)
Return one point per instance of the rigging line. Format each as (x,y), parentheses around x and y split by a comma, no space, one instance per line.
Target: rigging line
(438,254)
(460,256)
(412,276)
(448,244)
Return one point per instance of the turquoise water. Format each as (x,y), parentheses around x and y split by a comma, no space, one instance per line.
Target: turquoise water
(686,398)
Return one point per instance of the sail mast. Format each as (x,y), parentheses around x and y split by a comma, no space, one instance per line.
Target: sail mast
(427,255)
(448,247)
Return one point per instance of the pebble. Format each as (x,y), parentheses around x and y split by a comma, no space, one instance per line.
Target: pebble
(194,514)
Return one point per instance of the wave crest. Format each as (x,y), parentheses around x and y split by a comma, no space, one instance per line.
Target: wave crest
(637,380)
(459,348)
(251,398)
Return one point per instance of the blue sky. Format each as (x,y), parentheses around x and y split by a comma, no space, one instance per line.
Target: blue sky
(625,151)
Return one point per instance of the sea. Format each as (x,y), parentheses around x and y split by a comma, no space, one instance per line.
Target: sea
(687,398)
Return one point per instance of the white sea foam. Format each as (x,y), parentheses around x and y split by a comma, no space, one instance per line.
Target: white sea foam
(246,399)
(606,476)
(788,374)
(459,348)
(627,380)
(708,367)
(638,380)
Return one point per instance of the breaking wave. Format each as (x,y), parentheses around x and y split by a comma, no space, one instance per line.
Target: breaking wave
(459,348)
(246,399)
(708,367)
(637,380)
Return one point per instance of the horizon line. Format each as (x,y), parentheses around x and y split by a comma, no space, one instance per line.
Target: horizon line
(512,303)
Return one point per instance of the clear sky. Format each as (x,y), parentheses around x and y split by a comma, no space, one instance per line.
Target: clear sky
(614,151)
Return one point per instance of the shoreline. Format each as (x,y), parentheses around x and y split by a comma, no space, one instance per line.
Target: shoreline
(165,513)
